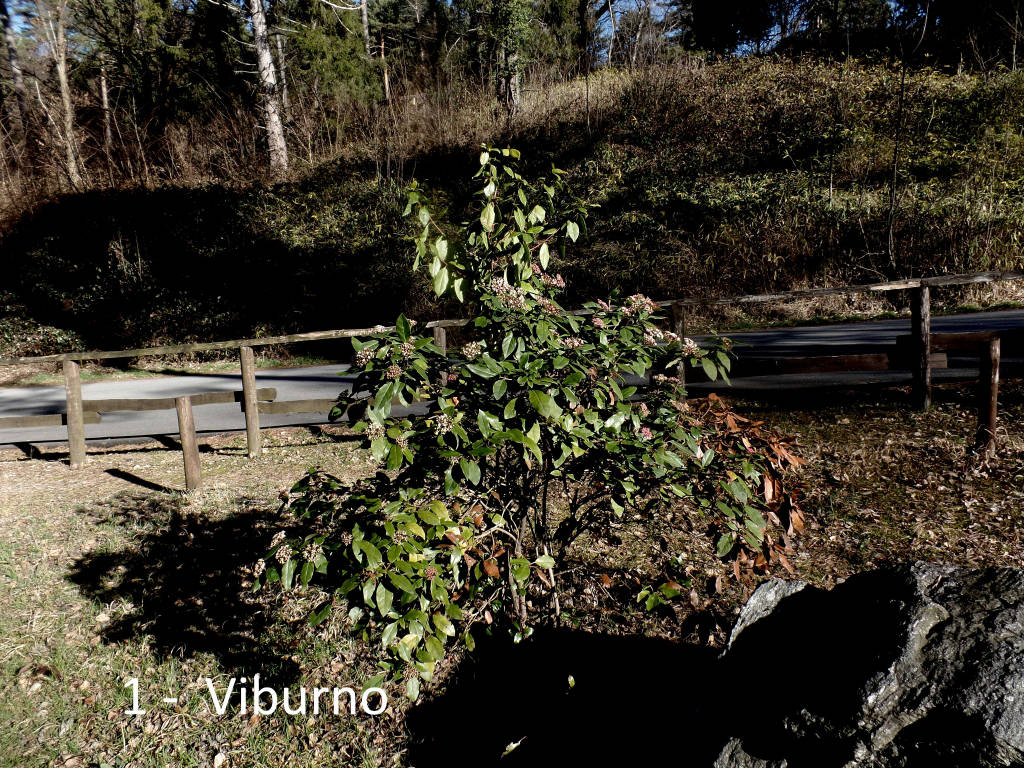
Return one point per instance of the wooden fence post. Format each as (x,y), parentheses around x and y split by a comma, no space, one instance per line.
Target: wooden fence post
(189,445)
(988,398)
(252,411)
(679,329)
(921,341)
(441,338)
(75,419)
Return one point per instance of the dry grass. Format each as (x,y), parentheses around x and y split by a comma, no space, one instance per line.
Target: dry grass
(106,577)
(110,573)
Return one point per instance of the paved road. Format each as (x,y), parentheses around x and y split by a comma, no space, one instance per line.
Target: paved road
(323,381)
(326,381)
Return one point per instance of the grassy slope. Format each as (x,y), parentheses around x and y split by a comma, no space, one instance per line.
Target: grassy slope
(736,177)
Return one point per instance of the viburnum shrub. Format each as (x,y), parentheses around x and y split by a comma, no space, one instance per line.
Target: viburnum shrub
(498,455)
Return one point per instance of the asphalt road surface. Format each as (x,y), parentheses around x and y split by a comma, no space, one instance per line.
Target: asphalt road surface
(328,380)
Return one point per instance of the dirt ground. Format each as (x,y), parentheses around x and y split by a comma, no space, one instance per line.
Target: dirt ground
(111,573)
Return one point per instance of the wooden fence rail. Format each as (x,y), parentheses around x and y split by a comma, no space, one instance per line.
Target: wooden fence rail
(255,401)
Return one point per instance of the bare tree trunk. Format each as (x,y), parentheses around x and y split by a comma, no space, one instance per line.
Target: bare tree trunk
(365,13)
(384,64)
(508,86)
(17,79)
(583,34)
(108,130)
(268,89)
(55,28)
(514,93)
(637,41)
(611,40)
(286,102)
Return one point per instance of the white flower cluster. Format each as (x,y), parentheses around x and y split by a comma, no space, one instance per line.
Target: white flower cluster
(472,350)
(638,304)
(363,357)
(278,538)
(690,348)
(312,552)
(572,342)
(259,568)
(652,336)
(558,281)
(407,349)
(374,431)
(442,424)
(284,554)
(510,296)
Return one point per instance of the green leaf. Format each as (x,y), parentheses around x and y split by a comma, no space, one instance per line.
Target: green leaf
(412,688)
(444,626)
(544,255)
(288,573)
(387,637)
(307,573)
(404,328)
(520,569)
(321,613)
(395,457)
(544,404)
(434,648)
(471,470)
(384,599)
(498,390)
(755,517)
(724,545)
(487,217)
(508,344)
(373,556)
(572,229)
(709,368)
(402,583)
(441,281)
(407,645)
(545,561)
(481,370)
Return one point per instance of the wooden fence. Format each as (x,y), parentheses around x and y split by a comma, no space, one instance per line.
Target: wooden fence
(924,351)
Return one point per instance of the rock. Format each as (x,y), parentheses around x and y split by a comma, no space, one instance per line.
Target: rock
(918,667)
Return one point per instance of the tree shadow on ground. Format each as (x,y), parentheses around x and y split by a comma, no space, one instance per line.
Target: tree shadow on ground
(632,699)
(185,575)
